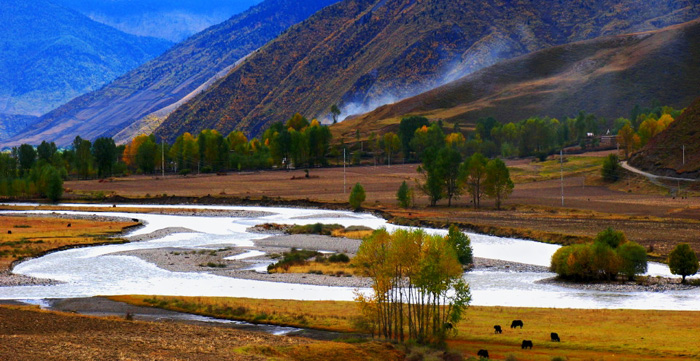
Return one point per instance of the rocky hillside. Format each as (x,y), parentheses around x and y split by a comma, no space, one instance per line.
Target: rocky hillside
(363,53)
(51,54)
(13,124)
(166,80)
(663,155)
(606,76)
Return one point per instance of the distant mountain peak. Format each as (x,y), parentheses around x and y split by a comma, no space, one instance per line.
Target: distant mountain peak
(51,54)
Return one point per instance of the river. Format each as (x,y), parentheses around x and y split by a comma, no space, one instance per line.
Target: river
(92,271)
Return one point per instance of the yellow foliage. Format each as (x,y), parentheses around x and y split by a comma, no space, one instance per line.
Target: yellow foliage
(129,156)
(455,139)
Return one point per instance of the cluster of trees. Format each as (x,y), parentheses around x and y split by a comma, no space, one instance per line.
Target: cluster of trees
(297,142)
(419,293)
(610,254)
(645,124)
(447,170)
(535,136)
(29,171)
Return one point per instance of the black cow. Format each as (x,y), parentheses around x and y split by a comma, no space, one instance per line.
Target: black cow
(497,329)
(9,232)
(447,325)
(483,354)
(516,323)
(526,344)
(554,336)
(68,225)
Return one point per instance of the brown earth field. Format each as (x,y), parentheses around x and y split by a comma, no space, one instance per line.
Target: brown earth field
(27,333)
(646,214)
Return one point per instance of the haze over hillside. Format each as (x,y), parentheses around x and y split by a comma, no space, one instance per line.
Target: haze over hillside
(363,53)
(51,54)
(605,76)
(664,154)
(166,80)
(166,19)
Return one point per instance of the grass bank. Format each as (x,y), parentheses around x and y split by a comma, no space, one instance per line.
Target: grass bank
(584,334)
(26,237)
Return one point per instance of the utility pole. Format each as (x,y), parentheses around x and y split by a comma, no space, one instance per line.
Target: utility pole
(561,174)
(683,154)
(162,156)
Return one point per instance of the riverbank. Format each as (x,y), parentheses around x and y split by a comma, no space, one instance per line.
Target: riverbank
(640,284)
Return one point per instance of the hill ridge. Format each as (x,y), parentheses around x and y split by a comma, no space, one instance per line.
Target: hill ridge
(395,47)
(606,76)
(168,78)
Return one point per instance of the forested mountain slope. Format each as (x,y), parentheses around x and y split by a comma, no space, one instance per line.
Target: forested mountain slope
(605,76)
(363,53)
(50,54)
(170,77)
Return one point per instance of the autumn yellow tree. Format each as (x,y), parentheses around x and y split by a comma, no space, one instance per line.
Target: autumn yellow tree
(392,144)
(627,139)
(130,151)
(418,290)
(455,140)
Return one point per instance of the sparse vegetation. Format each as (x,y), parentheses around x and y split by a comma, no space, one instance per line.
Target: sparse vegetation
(295,257)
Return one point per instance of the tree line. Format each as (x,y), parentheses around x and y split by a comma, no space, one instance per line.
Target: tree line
(28,171)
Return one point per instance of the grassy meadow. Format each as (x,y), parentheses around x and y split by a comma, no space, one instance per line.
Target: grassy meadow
(585,334)
(22,237)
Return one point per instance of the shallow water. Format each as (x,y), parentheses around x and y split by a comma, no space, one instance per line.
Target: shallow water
(98,271)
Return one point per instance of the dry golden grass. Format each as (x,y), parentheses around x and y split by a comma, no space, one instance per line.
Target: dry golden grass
(585,334)
(351,234)
(553,169)
(327,268)
(22,237)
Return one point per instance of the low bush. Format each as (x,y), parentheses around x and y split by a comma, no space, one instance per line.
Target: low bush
(294,257)
(608,255)
(339,258)
(316,228)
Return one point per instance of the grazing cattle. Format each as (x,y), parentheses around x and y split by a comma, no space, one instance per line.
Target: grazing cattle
(526,344)
(9,232)
(516,323)
(483,354)
(68,225)
(447,325)
(497,329)
(554,336)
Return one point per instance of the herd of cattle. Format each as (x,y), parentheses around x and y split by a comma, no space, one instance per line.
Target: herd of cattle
(527,344)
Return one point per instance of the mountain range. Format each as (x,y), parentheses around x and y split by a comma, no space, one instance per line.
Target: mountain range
(170,20)
(363,53)
(50,54)
(133,103)
(607,76)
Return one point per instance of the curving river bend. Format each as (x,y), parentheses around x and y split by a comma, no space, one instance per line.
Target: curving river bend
(98,271)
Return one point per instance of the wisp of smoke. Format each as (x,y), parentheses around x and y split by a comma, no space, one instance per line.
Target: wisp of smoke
(488,51)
